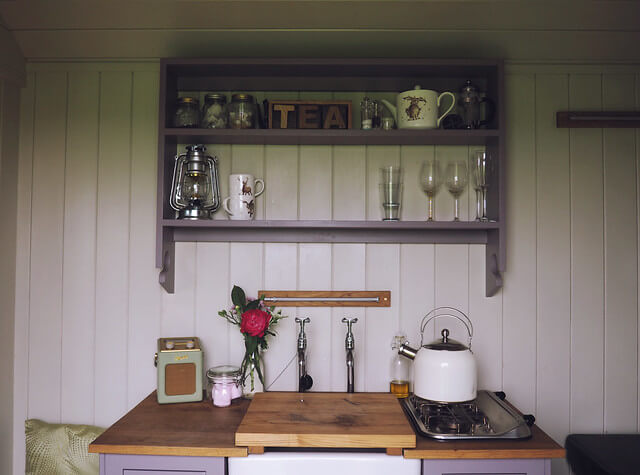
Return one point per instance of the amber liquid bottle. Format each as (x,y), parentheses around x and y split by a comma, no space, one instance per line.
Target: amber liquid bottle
(400,365)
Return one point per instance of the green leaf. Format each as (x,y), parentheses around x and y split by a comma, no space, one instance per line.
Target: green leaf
(238,298)
(250,343)
(258,369)
(253,305)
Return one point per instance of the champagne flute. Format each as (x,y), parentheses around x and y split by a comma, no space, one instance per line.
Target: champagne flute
(430,182)
(480,170)
(456,181)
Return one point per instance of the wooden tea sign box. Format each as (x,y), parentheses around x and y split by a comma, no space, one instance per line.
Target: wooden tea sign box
(309,114)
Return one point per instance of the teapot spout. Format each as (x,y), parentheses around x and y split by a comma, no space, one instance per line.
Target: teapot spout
(392,109)
(408,352)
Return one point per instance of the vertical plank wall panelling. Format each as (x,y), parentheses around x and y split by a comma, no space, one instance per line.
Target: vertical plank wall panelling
(520,286)
(382,272)
(112,253)
(587,274)
(451,260)
(349,262)
(45,323)
(621,263)
(79,264)
(144,293)
(417,270)
(554,338)
(281,259)
(314,273)
(23,269)
(9,166)
(247,261)
(554,308)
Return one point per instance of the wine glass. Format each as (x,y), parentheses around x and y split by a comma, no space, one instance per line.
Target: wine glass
(430,182)
(480,171)
(456,181)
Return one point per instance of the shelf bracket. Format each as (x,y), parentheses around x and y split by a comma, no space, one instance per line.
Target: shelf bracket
(493,268)
(168,271)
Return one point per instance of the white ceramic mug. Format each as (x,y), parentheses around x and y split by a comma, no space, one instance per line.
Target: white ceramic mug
(240,205)
(244,185)
(418,108)
(239,208)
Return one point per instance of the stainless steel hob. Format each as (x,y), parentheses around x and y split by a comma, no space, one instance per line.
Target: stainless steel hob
(486,417)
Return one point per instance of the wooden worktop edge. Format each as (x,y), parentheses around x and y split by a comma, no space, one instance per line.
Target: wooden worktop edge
(484,453)
(333,440)
(168,450)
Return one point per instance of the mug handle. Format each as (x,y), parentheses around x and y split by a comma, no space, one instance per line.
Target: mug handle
(225,206)
(258,193)
(453,104)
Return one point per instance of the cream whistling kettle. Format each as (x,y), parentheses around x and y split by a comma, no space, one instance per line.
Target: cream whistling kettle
(444,370)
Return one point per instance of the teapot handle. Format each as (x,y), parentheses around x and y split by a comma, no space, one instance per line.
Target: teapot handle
(453,104)
(446,312)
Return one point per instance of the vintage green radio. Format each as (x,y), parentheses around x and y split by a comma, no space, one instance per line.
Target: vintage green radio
(179,362)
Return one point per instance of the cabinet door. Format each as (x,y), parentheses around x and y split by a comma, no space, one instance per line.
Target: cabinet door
(116,464)
(487,467)
(161,472)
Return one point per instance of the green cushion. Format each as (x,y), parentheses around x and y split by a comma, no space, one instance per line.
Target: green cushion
(60,448)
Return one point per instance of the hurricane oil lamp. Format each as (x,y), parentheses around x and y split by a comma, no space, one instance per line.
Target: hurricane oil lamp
(195,188)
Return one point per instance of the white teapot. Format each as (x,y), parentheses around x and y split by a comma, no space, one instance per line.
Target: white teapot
(418,108)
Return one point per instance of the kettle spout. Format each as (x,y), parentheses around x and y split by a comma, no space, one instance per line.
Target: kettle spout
(406,351)
(393,110)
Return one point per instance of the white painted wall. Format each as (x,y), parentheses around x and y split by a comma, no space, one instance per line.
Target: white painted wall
(561,338)
(8,197)
(11,78)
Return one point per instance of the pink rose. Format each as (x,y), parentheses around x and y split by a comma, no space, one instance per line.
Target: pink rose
(255,322)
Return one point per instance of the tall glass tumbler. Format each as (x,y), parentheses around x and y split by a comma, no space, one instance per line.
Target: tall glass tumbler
(481,169)
(391,192)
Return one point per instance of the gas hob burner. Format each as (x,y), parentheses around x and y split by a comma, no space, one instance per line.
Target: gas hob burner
(485,417)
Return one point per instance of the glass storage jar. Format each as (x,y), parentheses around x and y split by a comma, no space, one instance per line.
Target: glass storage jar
(187,113)
(214,113)
(242,112)
(223,384)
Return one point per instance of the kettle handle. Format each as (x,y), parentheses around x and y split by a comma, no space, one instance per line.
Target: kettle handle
(446,312)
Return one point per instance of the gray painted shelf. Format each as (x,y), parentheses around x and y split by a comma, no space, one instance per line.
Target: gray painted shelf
(392,74)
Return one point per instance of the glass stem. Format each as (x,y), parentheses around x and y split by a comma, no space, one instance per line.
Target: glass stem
(456,209)
(479,206)
(430,208)
(484,204)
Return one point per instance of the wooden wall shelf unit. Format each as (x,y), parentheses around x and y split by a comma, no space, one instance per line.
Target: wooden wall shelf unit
(327,75)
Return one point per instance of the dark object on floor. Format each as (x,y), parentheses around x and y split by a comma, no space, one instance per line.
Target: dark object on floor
(610,454)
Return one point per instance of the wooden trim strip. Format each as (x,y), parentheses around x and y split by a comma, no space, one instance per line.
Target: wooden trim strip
(484,453)
(168,450)
(316,298)
(597,119)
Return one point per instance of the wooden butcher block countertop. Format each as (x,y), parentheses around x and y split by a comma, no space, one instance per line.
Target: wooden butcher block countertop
(190,428)
(328,420)
(200,429)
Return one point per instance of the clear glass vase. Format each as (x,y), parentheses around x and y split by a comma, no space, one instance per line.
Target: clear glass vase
(252,383)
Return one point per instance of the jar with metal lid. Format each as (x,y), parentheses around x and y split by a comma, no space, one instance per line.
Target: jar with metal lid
(223,384)
(187,113)
(242,112)
(214,114)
